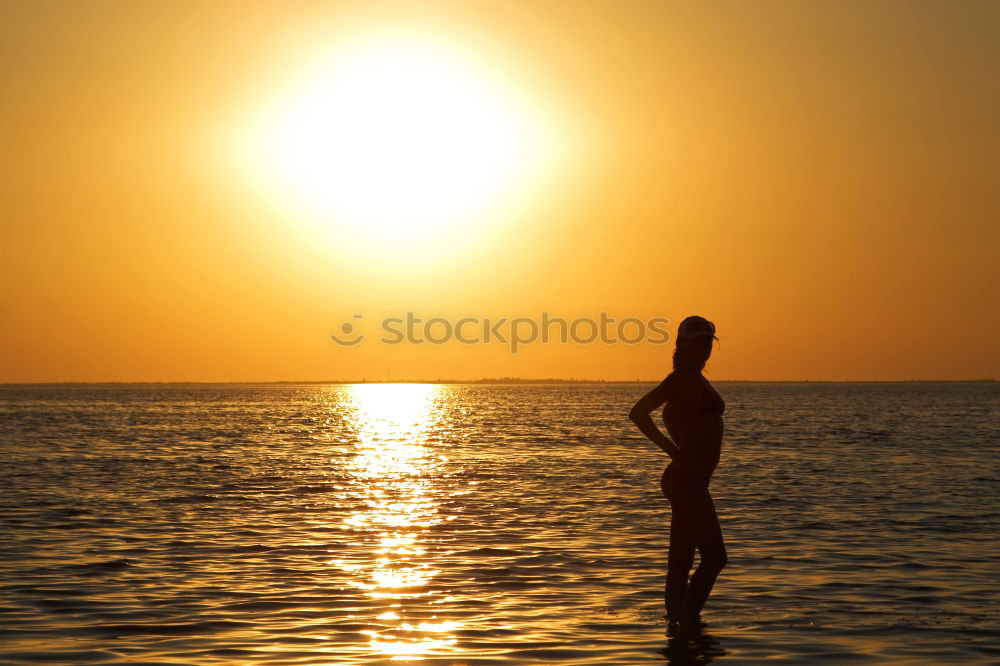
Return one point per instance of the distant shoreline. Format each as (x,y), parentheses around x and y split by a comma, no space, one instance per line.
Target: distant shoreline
(494,381)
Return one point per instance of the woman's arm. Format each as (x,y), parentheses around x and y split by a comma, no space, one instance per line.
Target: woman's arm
(640,416)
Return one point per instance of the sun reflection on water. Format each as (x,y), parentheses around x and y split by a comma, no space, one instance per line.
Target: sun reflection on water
(392,474)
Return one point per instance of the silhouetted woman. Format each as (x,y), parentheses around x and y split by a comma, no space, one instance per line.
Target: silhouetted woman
(693,416)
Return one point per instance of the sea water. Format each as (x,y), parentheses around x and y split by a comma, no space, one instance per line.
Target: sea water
(490,524)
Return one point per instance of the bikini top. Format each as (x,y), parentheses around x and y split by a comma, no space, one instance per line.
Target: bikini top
(712,402)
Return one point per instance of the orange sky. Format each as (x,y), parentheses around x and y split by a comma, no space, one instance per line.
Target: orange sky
(818,179)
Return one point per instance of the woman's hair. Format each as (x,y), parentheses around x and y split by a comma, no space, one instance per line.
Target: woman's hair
(692,353)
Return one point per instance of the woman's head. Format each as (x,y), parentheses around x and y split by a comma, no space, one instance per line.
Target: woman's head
(694,343)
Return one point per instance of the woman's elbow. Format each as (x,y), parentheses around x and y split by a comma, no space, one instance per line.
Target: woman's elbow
(636,414)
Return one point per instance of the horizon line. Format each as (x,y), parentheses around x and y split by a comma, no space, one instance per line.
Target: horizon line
(483,380)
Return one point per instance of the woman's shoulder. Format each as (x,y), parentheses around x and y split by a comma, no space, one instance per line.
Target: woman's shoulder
(683,377)
(680,381)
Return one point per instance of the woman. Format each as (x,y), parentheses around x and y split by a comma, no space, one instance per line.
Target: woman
(693,416)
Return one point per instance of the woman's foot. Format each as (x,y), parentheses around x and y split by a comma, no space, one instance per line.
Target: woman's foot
(685,626)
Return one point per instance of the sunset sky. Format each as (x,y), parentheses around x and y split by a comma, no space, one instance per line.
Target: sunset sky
(207,191)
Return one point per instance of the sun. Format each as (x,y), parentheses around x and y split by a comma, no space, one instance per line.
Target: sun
(397,139)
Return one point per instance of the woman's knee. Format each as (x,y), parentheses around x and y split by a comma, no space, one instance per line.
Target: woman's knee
(715,558)
(680,560)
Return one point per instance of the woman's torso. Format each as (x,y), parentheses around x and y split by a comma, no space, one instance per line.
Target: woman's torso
(699,434)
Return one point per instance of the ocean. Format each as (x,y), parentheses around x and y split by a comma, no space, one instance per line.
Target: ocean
(490,524)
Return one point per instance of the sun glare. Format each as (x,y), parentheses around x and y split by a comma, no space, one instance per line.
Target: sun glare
(397,139)
(391,472)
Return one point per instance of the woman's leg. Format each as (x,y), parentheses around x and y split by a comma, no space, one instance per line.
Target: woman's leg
(681,555)
(712,555)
